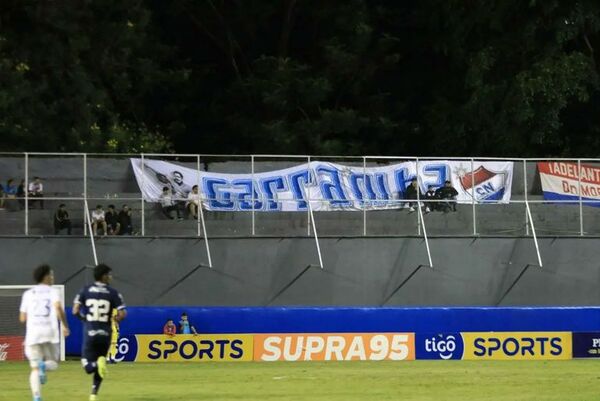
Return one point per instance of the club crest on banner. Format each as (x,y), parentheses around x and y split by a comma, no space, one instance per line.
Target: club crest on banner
(483,184)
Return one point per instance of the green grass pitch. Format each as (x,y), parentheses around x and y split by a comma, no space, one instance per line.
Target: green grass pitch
(575,380)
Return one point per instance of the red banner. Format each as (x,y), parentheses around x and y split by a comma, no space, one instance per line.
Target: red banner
(11,348)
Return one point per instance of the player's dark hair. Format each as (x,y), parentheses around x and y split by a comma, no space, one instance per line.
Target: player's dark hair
(111,206)
(98,206)
(100,271)
(165,189)
(183,314)
(41,272)
(62,205)
(195,187)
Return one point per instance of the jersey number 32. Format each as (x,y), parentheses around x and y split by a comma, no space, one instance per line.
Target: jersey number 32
(98,310)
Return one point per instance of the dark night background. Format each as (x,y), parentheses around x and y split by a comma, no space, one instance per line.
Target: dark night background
(431,77)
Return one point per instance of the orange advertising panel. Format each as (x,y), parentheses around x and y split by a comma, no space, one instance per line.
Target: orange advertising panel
(334,347)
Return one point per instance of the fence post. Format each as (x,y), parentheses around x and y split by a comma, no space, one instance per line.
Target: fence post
(525,187)
(142,198)
(364,203)
(85,195)
(580,200)
(473,197)
(253,199)
(26,190)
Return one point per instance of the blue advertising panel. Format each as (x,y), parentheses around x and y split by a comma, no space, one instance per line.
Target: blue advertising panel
(586,345)
(439,346)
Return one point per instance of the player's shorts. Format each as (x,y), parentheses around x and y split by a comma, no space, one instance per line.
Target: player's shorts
(94,347)
(36,353)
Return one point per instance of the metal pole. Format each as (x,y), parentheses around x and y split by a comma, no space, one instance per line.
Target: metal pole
(537,247)
(580,201)
(418,197)
(525,187)
(142,198)
(309,215)
(473,198)
(253,223)
(89,223)
(364,205)
(425,234)
(85,196)
(200,213)
(312,217)
(26,190)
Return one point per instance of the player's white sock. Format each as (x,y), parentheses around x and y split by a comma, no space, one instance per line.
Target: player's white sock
(34,382)
(51,365)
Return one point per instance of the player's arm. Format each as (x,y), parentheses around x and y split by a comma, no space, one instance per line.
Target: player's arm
(77,306)
(23,309)
(119,304)
(62,318)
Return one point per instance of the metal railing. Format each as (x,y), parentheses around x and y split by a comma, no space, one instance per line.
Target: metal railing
(84,186)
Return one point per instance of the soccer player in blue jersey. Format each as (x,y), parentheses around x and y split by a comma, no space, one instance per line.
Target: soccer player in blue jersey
(94,305)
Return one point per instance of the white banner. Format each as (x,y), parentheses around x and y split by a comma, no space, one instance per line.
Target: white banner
(329,186)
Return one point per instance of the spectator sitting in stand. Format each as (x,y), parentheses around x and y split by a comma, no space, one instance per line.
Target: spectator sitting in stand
(429,196)
(10,190)
(193,202)
(21,195)
(411,194)
(125,221)
(112,220)
(98,218)
(447,192)
(169,329)
(168,204)
(36,190)
(62,220)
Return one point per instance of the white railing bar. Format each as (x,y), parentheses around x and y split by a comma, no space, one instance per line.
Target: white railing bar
(142,200)
(473,198)
(312,217)
(92,233)
(580,201)
(200,213)
(525,193)
(537,247)
(252,197)
(425,234)
(26,190)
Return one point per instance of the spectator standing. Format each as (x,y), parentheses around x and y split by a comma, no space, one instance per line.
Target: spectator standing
(10,190)
(169,329)
(98,218)
(21,195)
(62,220)
(447,192)
(194,202)
(185,327)
(168,204)
(126,227)
(36,190)
(112,220)
(430,196)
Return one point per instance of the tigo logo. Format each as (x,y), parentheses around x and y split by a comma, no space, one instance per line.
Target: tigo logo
(440,346)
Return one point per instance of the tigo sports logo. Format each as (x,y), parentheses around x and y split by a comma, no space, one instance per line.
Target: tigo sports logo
(439,346)
(334,347)
(188,348)
(517,345)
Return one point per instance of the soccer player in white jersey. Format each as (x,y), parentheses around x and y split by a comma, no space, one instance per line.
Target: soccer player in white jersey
(41,310)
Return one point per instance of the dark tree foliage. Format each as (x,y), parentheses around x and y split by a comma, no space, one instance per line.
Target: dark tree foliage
(429,77)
